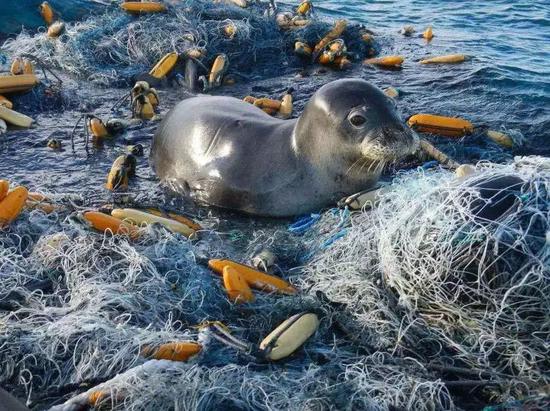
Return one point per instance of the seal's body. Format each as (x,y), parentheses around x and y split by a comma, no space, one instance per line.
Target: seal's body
(225,152)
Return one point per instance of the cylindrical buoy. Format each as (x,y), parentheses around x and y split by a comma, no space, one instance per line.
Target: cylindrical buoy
(16,67)
(441,125)
(153,97)
(106,223)
(15,118)
(500,138)
(143,7)
(5,102)
(139,217)
(164,66)
(337,30)
(304,7)
(285,109)
(218,70)
(174,351)
(122,169)
(97,128)
(142,108)
(388,61)
(447,59)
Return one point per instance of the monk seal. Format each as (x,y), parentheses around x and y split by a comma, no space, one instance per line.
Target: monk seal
(225,152)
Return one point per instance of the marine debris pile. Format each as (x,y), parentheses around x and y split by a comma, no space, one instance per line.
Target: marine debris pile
(112,47)
(449,274)
(420,295)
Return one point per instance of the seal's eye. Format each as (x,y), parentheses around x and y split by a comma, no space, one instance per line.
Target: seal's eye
(357,120)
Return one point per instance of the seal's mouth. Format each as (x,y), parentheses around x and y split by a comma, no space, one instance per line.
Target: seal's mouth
(389,144)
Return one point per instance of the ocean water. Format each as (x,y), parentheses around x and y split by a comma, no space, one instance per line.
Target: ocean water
(505,84)
(17,14)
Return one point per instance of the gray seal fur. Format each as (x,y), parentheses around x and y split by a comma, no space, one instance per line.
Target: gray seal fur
(225,152)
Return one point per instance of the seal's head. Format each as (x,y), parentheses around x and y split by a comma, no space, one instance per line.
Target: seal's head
(354,121)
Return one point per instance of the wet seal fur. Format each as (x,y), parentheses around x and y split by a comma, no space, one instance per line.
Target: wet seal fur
(224,152)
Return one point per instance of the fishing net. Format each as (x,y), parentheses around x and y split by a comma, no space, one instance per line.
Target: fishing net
(430,273)
(112,47)
(78,307)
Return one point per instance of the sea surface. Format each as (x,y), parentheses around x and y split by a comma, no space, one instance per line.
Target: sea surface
(505,84)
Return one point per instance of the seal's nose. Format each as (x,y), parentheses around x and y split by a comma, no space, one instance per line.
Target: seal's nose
(401,138)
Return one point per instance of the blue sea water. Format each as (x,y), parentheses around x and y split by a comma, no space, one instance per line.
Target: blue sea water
(16,14)
(507,80)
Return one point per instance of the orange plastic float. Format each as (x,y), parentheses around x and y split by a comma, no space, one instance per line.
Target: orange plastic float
(56,29)
(448,59)
(174,351)
(428,33)
(236,286)
(97,128)
(5,102)
(164,65)
(138,7)
(47,13)
(388,61)
(4,189)
(20,83)
(106,223)
(445,126)
(11,205)
(337,30)
(255,279)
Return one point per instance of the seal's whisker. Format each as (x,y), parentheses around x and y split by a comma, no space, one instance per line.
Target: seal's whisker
(364,164)
(353,165)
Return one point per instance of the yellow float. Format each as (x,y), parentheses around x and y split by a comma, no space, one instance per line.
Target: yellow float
(15,84)
(139,217)
(138,7)
(15,118)
(236,286)
(254,278)
(164,66)
(289,336)
(445,126)
(388,61)
(448,59)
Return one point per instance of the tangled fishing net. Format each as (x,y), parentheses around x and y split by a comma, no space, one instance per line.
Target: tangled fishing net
(111,47)
(77,309)
(422,295)
(431,274)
